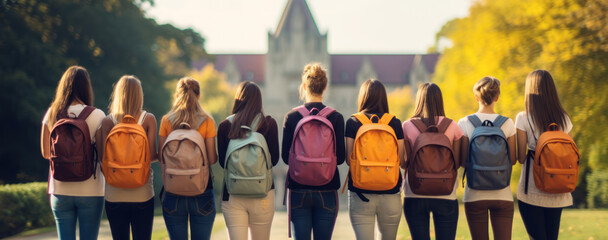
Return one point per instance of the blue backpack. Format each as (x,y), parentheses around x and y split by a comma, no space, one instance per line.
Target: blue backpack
(488,166)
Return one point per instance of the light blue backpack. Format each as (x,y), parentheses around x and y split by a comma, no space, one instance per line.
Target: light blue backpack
(248,166)
(488,166)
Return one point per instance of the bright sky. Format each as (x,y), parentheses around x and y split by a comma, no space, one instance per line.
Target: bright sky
(353,26)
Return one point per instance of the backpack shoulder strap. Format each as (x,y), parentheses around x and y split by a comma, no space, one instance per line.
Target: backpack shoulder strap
(419,124)
(499,121)
(256,122)
(474,120)
(326,111)
(230,118)
(443,126)
(142,115)
(386,118)
(84,114)
(362,118)
(200,122)
(302,110)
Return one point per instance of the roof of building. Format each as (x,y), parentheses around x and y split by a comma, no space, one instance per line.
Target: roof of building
(300,6)
(390,69)
(251,66)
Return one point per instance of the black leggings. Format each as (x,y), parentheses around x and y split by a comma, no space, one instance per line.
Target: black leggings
(541,223)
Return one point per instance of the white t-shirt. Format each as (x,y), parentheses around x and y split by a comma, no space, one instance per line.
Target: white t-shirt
(536,197)
(95,185)
(472,195)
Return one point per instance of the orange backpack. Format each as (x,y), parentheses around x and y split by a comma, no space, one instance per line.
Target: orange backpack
(556,162)
(374,162)
(126,158)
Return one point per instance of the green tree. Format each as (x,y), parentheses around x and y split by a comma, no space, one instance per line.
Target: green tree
(509,39)
(40,39)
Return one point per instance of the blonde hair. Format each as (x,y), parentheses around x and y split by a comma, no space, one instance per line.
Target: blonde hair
(487,89)
(74,85)
(127,98)
(315,78)
(186,107)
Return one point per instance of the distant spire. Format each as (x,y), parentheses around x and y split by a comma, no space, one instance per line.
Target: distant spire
(288,16)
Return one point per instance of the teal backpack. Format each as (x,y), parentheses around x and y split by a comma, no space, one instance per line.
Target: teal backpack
(248,167)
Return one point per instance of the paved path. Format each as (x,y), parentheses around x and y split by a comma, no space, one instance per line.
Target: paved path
(343,229)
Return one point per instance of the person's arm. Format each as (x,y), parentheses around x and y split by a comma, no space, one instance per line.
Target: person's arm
(222,141)
(338,125)
(512,149)
(45,142)
(272,138)
(350,142)
(102,133)
(464,150)
(287,139)
(456,147)
(211,152)
(151,130)
(408,151)
(522,143)
(401,152)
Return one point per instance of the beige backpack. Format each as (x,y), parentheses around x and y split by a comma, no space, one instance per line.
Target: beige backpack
(184,163)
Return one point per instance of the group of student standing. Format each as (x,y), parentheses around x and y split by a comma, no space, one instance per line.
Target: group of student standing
(97,159)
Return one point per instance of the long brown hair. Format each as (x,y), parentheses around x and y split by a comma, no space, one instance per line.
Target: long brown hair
(542,102)
(429,103)
(74,85)
(186,107)
(372,97)
(487,90)
(247,105)
(315,78)
(127,98)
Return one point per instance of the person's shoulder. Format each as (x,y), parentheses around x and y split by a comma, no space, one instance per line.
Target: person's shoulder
(98,113)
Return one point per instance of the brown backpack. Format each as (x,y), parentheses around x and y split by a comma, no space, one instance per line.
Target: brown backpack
(556,162)
(184,163)
(432,168)
(72,158)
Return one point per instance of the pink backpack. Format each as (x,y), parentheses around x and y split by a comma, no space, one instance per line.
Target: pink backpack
(312,158)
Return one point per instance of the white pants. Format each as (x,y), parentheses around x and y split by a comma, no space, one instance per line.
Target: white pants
(386,208)
(249,215)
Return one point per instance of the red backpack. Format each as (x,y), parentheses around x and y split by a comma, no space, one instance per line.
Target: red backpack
(72,154)
(432,167)
(312,157)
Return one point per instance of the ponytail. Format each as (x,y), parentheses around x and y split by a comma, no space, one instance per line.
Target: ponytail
(186,108)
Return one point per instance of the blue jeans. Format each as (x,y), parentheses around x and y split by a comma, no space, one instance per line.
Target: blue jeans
(71,209)
(200,209)
(445,217)
(127,217)
(313,211)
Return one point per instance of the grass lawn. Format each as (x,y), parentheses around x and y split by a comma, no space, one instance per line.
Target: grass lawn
(575,224)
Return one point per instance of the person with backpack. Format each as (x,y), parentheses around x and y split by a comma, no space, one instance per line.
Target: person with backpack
(488,165)
(433,147)
(76,184)
(375,150)
(248,148)
(313,146)
(551,163)
(128,139)
(187,140)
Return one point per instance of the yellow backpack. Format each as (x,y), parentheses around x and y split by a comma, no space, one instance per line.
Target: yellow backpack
(374,162)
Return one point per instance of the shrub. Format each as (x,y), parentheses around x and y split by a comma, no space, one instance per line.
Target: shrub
(24,206)
(597,188)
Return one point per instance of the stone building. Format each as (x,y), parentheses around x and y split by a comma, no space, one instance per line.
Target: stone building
(297,42)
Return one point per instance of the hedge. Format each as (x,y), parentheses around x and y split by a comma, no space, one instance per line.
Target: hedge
(24,206)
